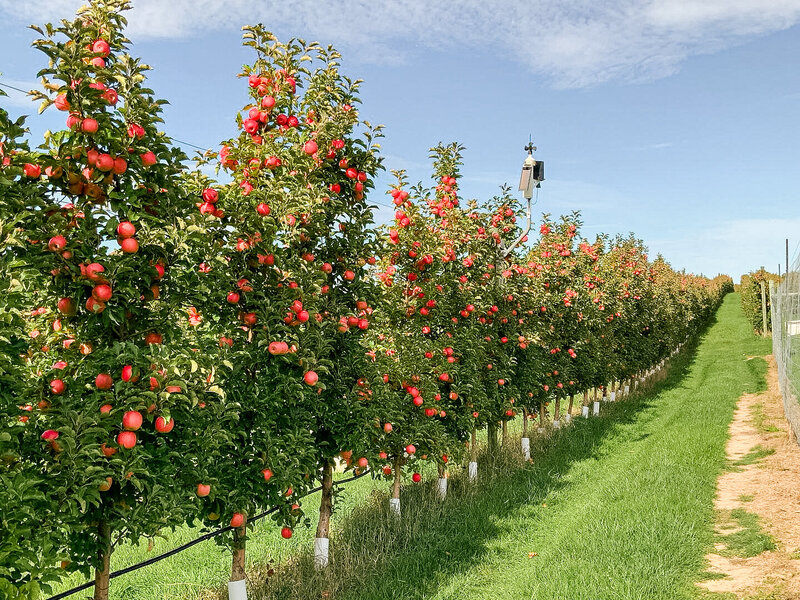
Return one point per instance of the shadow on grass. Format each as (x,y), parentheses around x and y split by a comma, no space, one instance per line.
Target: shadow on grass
(376,555)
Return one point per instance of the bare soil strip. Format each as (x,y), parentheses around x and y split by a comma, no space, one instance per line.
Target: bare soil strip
(770,488)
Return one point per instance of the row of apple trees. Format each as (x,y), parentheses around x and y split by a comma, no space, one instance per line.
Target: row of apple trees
(176,348)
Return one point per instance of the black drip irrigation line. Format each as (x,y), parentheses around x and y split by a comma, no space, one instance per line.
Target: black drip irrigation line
(195,541)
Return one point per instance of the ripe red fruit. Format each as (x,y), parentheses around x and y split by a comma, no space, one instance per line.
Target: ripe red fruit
(164,426)
(61,102)
(102,292)
(120,165)
(263,209)
(57,387)
(267,474)
(387,427)
(153,338)
(416,477)
(126,439)
(310,147)
(32,171)
(237,520)
(349,275)
(311,378)
(210,195)
(233,297)
(126,229)
(106,409)
(129,245)
(103,381)
(362,462)
(105,162)
(286,533)
(93,271)
(148,158)
(89,125)
(203,490)
(57,243)
(95,307)
(66,306)
(411,448)
(132,420)
(101,47)
(49,435)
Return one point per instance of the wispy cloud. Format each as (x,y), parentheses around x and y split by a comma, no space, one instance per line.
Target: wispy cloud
(656,146)
(572,43)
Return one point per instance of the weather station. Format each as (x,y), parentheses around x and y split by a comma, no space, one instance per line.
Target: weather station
(530,181)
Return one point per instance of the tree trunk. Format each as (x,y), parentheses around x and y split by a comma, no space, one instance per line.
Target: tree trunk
(542,410)
(557,409)
(524,422)
(569,408)
(237,566)
(586,397)
(398,477)
(103,572)
(326,501)
(491,432)
(505,433)
(325,512)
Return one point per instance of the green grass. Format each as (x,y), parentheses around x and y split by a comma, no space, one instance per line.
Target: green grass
(616,507)
(746,498)
(747,538)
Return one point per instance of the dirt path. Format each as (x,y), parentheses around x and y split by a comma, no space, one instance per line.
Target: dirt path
(770,488)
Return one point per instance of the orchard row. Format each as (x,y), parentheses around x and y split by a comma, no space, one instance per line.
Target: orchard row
(177,349)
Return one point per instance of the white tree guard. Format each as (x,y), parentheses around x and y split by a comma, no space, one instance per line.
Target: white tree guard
(473,470)
(556,424)
(526,448)
(394,506)
(596,408)
(613,396)
(627,390)
(442,488)
(540,430)
(237,590)
(321,546)
(567,418)
(585,411)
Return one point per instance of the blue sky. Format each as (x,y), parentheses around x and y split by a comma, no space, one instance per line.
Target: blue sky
(675,120)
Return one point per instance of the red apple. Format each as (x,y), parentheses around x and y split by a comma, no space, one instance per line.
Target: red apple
(267,474)
(102,292)
(66,306)
(203,490)
(89,125)
(416,477)
(311,378)
(32,171)
(57,243)
(153,338)
(103,381)
(132,420)
(126,439)
(237,520)
(286,532)
(148,159)
(129,245)
(101,47)
(164,426)
(57,387)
